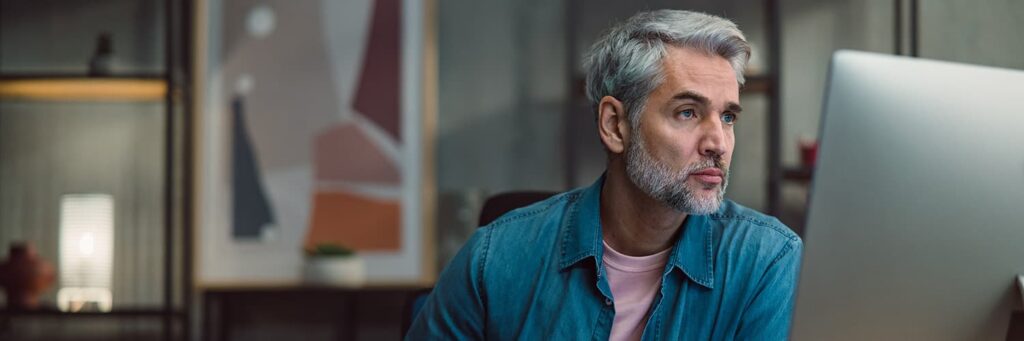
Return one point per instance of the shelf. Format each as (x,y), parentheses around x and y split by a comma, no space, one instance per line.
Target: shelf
(70,75)
(83,89)
(122,313)
(800,174)
(756,83)
(752,84)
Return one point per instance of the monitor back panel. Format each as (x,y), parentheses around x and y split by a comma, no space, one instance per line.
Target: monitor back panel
(915,229)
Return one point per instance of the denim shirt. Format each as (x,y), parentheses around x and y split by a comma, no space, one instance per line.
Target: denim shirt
(536,274)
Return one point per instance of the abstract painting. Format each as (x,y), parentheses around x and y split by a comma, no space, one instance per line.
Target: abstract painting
(312,132)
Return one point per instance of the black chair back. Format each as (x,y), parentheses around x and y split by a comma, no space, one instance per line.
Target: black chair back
(499,204)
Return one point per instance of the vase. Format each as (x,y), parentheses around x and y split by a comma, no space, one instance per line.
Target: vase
(335,271)
(24,276)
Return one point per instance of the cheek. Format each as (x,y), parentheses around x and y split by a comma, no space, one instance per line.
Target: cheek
(676,151)
(686,150)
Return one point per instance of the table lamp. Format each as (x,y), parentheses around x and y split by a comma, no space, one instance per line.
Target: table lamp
(86,252)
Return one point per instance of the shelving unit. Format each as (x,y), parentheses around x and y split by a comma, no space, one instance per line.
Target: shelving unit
(797,174)
(171,87)
(780,174)
(105,89)
(81,89)
(757,83)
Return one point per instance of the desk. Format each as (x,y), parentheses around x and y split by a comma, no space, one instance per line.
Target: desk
(296,306)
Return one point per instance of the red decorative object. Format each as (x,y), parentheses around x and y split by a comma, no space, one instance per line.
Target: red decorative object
(808,153)
(24,276)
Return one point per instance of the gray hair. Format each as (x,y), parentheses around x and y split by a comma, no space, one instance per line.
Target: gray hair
(626,62)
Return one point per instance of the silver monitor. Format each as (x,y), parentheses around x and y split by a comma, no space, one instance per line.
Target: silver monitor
(915,228)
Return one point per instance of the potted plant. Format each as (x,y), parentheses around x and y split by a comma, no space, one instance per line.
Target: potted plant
(334,264)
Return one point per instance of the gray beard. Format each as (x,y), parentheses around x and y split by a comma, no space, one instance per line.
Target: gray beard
(670,187)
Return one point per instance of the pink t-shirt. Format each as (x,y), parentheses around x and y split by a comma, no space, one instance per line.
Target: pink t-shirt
(635,282)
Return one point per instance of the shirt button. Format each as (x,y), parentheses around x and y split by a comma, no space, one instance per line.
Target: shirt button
(607,301)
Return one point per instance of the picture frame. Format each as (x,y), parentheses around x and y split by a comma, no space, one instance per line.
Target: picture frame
(298,141)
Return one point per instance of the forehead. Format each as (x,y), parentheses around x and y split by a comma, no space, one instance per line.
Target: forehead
(688,69)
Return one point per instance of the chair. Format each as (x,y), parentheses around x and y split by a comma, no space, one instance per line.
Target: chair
(499,204)
(495,206)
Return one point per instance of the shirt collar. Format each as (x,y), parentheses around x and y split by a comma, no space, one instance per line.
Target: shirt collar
(693,253)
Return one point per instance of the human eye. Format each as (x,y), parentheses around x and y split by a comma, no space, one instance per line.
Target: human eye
(687,113)
(729,118)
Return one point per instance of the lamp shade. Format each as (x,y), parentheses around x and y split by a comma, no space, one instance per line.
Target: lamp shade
(86,250)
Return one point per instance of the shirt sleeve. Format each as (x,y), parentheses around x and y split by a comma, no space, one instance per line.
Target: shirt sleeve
(769,314)
(455,309)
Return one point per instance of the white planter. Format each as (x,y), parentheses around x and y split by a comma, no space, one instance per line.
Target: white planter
(343,271)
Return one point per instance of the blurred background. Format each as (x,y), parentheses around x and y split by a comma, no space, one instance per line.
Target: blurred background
(233,169)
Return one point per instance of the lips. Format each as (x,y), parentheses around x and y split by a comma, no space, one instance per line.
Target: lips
(709,175)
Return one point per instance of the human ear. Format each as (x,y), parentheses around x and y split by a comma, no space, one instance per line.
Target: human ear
(612,124)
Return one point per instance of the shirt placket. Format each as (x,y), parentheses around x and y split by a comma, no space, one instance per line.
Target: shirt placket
(603,328)
(652,331)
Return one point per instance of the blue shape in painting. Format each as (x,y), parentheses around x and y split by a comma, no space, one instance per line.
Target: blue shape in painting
(250,210)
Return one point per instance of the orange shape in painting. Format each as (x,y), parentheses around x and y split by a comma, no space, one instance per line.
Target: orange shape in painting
(356,222)
(345,153)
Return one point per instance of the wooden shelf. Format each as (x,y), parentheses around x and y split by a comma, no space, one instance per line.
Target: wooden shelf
(801,174)
(73,75)
(756,83)
(759,83)
(84,89)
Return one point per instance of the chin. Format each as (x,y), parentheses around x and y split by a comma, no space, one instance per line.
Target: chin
(700,187)
(712,196)
(709,199)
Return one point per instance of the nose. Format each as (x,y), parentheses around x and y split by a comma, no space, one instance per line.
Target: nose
(712,143)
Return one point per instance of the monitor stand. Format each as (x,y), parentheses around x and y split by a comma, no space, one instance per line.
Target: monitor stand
(1016,332)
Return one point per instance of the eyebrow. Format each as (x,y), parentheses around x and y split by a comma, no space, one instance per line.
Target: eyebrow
(703,100)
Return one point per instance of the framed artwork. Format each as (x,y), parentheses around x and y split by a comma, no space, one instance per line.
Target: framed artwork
(314,125)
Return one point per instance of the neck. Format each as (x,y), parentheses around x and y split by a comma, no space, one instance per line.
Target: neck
(632,222)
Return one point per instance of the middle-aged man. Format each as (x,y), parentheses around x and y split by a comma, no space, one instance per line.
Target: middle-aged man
(650,250)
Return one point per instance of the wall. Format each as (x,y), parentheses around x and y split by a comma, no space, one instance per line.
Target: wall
(965,31)
(502,90)
(57,36)
(978,33)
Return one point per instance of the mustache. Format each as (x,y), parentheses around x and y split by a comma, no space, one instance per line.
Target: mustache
(704,163)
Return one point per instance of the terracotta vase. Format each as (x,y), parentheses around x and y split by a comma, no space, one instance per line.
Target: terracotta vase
(24,276)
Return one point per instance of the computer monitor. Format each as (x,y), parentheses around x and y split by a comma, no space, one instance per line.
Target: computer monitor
(915,226)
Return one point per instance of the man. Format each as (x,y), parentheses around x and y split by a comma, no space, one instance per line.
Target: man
(650,250)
